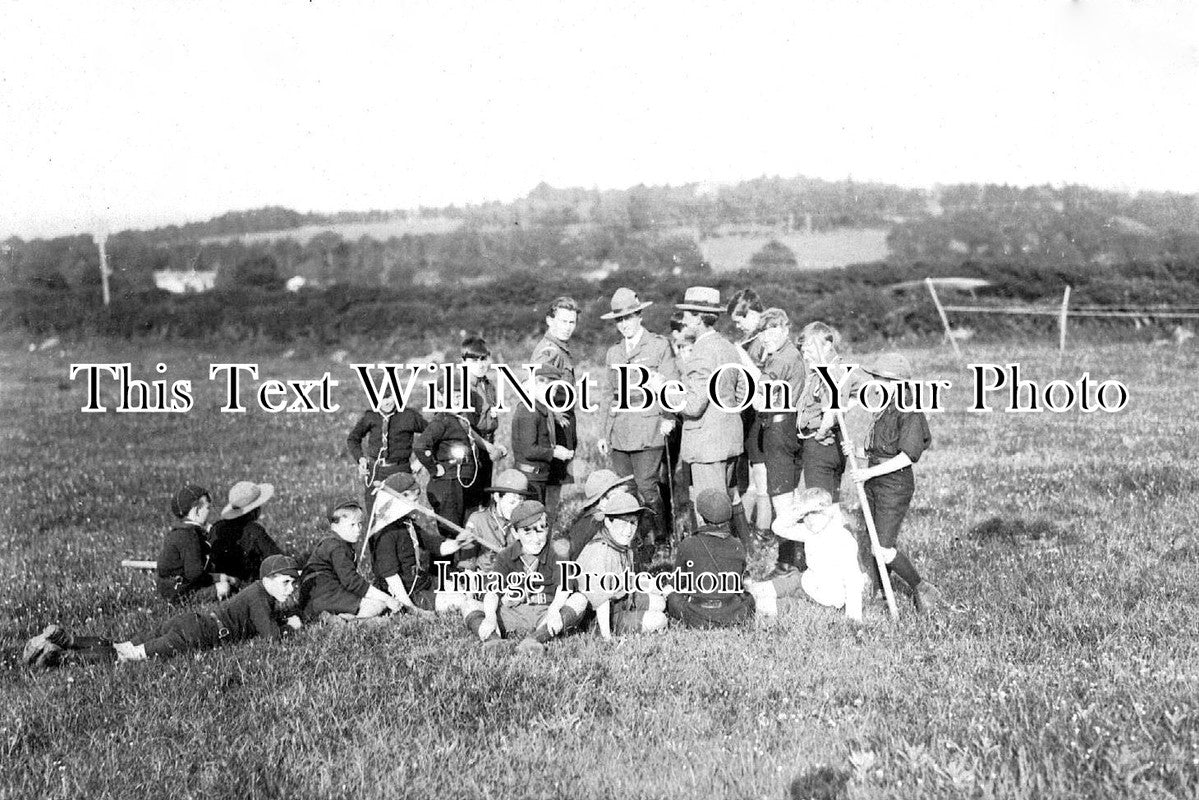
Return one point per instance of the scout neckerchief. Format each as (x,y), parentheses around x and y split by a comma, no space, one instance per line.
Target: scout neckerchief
(531,565)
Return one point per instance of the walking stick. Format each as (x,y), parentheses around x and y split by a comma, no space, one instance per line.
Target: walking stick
(875,548)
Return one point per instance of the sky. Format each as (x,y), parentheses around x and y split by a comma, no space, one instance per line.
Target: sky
(137,114)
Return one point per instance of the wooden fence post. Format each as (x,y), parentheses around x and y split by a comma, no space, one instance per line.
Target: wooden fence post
(1061,322)
(944,319)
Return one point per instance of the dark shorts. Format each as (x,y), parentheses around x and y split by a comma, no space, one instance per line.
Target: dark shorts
(328,595)
(824,465)
(784,453)
(696,612)
(753,442)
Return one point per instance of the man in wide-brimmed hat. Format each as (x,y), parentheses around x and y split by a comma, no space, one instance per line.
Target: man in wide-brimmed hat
(635,440)
(712,437)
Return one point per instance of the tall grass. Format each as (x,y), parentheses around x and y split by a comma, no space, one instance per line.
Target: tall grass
(1071,670)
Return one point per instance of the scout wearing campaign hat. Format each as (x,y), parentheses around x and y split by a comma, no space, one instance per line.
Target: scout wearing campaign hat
(891,366)
(702,299)
(600,483)
(510,481)
(625,303)
(245,496)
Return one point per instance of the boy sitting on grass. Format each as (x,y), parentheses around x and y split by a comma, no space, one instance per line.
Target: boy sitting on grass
(527,608)
(252,612)
(331,583)
(834,576)
(402,553)
(610,552)
(714,550)
(183,561)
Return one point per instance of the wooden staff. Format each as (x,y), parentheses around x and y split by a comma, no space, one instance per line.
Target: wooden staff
(875,547)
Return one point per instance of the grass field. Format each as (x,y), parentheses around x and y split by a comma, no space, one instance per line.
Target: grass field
(1072,669)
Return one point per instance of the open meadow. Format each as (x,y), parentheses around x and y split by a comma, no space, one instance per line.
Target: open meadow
(1069,667)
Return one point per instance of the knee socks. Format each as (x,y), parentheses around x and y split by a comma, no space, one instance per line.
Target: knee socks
(542,633)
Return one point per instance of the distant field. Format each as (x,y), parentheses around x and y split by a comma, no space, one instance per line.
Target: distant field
(351,231)
(817,250)
(1071,670)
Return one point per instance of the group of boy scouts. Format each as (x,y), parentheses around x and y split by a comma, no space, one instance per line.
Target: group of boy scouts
(492,547)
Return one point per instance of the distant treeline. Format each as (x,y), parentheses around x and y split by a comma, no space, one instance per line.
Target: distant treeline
(581,232)
(857,300)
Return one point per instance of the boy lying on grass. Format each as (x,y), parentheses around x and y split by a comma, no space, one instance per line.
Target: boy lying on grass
(834,576)
(331,583)
(252,612)
(183,562)
(526,608)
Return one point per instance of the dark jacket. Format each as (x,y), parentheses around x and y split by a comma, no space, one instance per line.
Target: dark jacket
(249,613)
(402,427)
(332,562)
(183,562)
(714,550)
(239,546)
(532,441)
(394,551)
(436,444)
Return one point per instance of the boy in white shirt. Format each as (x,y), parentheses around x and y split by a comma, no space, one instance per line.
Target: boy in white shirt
(834,575)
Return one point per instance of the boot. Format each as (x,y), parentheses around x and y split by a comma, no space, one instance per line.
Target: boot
(741,528)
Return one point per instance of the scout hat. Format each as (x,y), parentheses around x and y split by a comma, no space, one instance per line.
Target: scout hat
(599,483)
(619,504)
(339,504)
(510,480)
(714,506)
(624,303)
(527,513)
(245,496)
(278,564)
(891,365)
(703,299)
(186,498)
(400,482)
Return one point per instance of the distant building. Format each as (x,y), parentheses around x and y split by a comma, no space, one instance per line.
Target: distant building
(182,282)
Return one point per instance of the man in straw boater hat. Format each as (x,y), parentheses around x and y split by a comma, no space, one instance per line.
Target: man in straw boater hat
(633,440)
(712,437)
(239,541)
(255,611)
(895,441)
